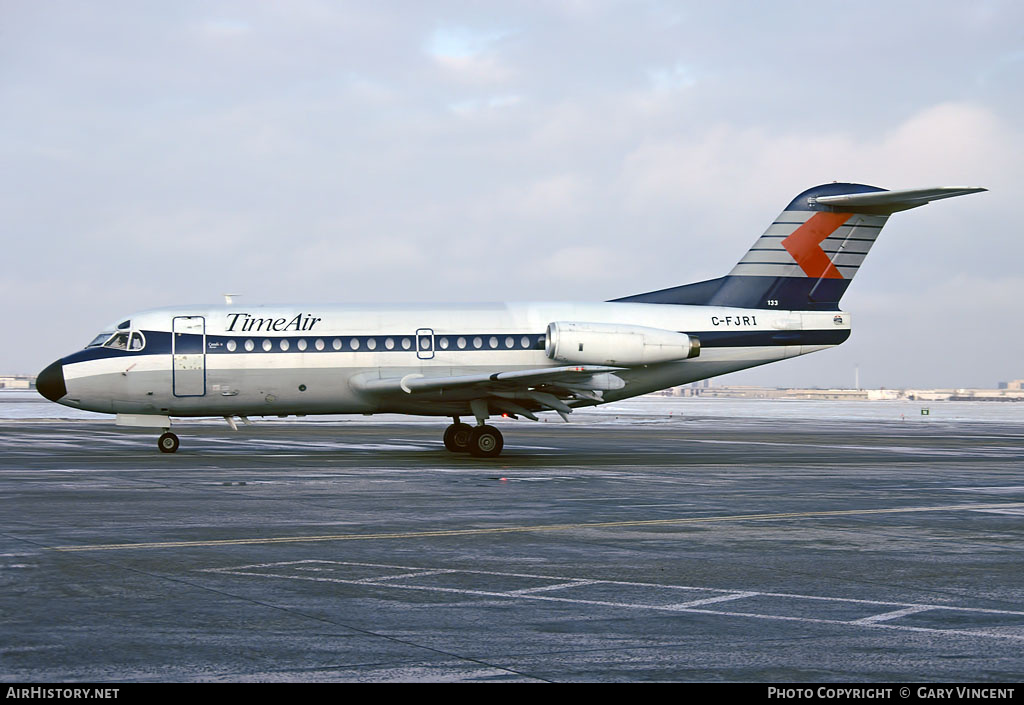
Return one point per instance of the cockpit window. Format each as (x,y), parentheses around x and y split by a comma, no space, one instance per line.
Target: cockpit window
(119,342)
(99,339)
(122,340)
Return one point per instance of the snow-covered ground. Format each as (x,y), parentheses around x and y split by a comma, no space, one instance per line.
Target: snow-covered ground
(25,405)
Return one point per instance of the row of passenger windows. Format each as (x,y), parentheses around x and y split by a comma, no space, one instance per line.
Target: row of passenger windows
(443,342)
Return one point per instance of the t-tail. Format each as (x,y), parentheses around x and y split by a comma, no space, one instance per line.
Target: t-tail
(807,257)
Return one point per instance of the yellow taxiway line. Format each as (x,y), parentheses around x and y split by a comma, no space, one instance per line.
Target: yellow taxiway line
(528,529)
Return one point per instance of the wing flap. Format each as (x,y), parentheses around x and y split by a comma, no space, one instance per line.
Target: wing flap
(583,376)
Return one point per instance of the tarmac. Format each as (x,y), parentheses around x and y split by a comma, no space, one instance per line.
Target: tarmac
(683,549)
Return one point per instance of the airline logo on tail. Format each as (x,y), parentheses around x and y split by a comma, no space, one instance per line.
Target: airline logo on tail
(804,244)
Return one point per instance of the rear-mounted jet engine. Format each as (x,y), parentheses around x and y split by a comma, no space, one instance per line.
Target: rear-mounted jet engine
(616,344)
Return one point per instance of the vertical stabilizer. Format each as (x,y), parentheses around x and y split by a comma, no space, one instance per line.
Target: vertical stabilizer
(807,257)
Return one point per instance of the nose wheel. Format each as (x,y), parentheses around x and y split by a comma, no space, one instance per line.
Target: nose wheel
(168,443)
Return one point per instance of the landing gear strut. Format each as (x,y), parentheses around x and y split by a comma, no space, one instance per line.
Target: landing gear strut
(168,442)
(479,441)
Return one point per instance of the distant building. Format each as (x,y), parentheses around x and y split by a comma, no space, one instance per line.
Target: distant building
(16,382)
(1008,391)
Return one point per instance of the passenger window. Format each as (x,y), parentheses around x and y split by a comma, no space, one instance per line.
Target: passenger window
(371,343)
(354,343)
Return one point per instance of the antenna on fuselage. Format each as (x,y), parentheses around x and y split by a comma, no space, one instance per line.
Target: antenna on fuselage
(227,297)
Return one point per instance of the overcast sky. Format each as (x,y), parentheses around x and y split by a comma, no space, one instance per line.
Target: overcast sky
(158,153)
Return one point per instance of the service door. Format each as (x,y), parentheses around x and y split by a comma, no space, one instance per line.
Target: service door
(188,352)
(425,343)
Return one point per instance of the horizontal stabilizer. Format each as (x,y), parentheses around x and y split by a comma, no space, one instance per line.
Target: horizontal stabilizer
(891,201)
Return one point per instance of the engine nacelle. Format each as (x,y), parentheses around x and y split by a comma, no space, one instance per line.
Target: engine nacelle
(615,344)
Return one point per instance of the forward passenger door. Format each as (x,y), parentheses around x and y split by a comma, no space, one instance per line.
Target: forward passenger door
(188,355)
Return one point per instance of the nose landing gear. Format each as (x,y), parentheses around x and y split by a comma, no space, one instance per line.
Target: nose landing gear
(168,442)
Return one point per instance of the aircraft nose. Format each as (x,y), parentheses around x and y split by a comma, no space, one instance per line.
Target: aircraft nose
(50,382)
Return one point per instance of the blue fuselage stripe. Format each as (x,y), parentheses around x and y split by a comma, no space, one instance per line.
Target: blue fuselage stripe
(159,342)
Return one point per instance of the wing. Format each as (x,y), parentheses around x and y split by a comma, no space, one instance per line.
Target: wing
(519,392)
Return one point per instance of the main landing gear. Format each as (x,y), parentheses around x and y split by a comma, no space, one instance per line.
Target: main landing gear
(168,442)
(479,441)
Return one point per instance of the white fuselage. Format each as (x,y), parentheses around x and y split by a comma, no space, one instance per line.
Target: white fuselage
(307,359)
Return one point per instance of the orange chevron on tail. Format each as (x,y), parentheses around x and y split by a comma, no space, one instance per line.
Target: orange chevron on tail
(804,244)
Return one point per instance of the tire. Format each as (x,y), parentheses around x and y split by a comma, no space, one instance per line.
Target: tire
(486,442)
(456,437)
(167,443)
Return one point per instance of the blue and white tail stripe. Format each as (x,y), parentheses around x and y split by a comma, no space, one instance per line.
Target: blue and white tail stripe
(846,247)
(808,255)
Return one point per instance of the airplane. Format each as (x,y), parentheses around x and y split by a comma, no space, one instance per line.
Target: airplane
(779,301)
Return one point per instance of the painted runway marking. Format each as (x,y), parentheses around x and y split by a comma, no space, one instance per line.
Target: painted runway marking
(441,533)
(895,614)
(712,600)
(556,586)
(770,606)
(402,576)
(1015,511)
